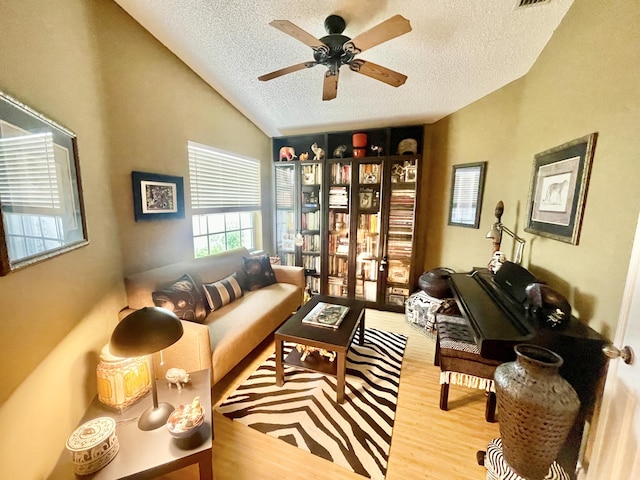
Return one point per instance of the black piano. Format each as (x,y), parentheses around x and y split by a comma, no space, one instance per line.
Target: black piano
(495,306)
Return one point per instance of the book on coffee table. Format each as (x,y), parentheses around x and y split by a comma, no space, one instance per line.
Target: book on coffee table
(326,315)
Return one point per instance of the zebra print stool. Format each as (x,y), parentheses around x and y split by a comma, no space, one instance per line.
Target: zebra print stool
(460,362)
(499,469)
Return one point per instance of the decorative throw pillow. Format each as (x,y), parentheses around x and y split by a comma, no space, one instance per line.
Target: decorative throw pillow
(183,298)
(222,292)
(258,271)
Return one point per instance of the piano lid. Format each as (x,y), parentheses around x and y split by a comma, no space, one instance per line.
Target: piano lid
(498,321)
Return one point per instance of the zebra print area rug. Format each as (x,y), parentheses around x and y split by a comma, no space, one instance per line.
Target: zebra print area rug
(304,412)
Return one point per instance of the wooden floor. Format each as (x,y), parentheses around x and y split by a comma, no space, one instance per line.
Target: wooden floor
(427,442)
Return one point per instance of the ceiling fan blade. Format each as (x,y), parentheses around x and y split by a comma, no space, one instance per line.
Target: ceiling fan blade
(296,32)
(384,74)
(390,28)
(284,71)
(330,85)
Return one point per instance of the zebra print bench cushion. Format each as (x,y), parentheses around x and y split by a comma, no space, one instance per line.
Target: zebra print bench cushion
(499,469)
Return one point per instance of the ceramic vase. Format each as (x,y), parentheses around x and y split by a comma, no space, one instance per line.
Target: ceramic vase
(537,408)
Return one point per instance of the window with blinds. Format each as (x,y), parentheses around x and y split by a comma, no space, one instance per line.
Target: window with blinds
(225,200)
(466,194)
(28,178)
(40,189)
(222,181)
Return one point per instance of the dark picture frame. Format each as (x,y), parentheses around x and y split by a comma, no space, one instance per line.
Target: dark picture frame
(42,211)
(558,189)
(467,189)
(157,197)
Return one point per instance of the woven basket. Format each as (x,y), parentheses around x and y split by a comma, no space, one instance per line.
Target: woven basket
(537,408)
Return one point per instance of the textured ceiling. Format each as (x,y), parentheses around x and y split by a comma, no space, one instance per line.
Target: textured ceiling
(458,51)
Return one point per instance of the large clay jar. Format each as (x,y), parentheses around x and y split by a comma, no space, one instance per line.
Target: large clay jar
(536,408)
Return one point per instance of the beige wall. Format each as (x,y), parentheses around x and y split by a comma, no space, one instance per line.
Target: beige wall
(586,80)
(156,105)
(133,106)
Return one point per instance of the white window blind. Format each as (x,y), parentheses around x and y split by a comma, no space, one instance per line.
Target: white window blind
(222,181)
(465,195)
(28,177)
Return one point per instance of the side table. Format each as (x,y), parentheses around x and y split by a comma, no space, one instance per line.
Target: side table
(147,454)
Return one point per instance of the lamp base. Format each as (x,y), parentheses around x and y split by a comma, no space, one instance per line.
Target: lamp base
(153,418)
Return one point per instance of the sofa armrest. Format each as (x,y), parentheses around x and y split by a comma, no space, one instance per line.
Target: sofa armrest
(287,274)
(192,352)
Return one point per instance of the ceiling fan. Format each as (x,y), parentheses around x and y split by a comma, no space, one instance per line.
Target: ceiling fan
(335,50)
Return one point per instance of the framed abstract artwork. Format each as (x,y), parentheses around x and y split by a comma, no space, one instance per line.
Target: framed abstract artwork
(558,189)
(157,197)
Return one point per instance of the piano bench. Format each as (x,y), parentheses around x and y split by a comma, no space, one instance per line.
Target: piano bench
(460,362)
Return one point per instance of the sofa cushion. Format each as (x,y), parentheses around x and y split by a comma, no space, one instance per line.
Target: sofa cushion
(258,271)
(183,298)
(236,329)
(222,292)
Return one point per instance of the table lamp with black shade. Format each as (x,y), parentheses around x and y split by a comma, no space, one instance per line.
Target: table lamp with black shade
(144,332)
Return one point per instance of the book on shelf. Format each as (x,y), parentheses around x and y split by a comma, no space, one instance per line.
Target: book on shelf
(338,197)
(326,315)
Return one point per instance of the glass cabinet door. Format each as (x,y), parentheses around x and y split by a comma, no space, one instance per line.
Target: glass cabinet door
(368,224)
(338,228)
(309,239)
(401,229)
(286,213)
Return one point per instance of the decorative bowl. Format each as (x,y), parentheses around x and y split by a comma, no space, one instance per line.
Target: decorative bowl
(93,444)
(185,420)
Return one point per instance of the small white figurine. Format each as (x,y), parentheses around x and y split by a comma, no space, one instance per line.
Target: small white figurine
(496,261)
(318,152)
(177,377)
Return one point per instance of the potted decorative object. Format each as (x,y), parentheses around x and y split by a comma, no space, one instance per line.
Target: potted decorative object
(537,408)
(186,419)
(435,282)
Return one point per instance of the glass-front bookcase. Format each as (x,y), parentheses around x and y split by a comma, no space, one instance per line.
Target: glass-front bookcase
(368,224)
(338,225)
(346,211)
(400,229)
(309,239)
(285,180)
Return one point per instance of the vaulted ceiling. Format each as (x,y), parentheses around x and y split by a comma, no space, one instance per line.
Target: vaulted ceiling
(456,52)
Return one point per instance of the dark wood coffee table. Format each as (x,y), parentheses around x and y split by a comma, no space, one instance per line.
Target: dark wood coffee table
(147,454)
(336,340)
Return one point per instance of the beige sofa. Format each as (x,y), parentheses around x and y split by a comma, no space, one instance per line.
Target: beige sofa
(228,334)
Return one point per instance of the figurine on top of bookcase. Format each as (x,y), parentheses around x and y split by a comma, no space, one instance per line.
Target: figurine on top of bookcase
(318,152)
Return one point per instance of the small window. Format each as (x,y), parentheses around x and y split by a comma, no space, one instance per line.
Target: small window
(467,186)
(225,200)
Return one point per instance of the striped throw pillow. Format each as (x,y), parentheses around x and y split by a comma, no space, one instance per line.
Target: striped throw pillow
(222,292)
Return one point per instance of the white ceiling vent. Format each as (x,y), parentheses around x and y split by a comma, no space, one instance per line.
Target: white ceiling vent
(530,3)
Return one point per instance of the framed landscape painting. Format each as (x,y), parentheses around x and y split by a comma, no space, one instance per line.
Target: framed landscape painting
(558,189)
(157,197)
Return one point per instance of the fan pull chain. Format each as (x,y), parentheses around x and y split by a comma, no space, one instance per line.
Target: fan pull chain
(161,359)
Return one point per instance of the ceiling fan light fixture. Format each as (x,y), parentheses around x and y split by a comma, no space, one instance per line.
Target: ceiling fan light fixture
(335,50)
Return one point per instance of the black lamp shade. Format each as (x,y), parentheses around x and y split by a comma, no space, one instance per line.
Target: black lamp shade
(145,331)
